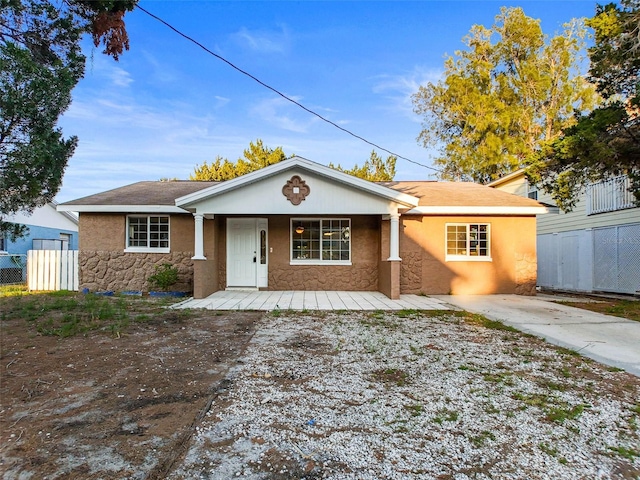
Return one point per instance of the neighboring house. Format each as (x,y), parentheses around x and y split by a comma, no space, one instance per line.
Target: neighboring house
(298,225)
(595,247)
(49,229)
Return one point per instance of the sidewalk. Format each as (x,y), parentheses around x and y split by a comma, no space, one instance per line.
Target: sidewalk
(610,340)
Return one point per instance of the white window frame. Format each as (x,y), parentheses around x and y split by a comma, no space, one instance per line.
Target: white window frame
(317,261)
(468,257)
(148,249)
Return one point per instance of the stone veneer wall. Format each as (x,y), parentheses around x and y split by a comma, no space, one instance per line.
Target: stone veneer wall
(526,273)
(120,271)
(362,277)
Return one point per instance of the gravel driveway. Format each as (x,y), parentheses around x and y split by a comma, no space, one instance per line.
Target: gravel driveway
(412,395)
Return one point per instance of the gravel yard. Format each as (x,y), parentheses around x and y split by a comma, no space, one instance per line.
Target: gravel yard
(414,395)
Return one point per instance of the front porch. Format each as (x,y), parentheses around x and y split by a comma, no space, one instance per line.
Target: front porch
(311,300)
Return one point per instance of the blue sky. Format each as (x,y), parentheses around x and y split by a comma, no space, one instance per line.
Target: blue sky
(167,105)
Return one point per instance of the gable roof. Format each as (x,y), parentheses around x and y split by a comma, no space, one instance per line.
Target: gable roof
(304,164)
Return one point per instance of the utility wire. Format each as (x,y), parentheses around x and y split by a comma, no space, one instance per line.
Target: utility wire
(192,40)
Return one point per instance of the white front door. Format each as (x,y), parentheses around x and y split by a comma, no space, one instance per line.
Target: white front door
(242,252)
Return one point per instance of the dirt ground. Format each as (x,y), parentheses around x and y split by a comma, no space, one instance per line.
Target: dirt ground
(105,405)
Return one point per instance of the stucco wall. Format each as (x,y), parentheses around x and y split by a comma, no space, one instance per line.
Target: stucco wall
(425,270)
(361,275)
(24,244)
(104,265)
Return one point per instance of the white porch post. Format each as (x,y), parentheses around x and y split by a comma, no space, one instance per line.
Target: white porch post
(394,238)
(199,237)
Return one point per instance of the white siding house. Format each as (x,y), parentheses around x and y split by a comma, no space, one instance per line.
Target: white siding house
(595,247)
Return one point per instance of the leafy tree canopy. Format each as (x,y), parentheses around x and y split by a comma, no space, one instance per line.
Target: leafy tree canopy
(375,169)
(258,156)
(510,90)
(605,142)
(40,63)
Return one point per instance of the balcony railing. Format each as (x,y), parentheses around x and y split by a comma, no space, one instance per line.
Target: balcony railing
(609,195)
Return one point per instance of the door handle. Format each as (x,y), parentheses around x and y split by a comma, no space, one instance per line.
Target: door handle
(254,259)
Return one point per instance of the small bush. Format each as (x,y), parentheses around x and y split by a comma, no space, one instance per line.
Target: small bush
(166,275)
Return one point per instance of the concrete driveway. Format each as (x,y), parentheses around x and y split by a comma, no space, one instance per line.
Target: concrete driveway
(610,340)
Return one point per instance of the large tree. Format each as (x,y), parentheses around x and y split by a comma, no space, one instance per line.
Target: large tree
(375,169)
(40,63)
(258,156)
(511,89)
(606,141)
(255,157)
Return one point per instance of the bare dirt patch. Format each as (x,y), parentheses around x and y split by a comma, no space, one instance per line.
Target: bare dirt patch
(112,402)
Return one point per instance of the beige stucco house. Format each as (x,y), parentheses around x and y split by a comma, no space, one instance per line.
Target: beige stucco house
(298,225)
(593,248)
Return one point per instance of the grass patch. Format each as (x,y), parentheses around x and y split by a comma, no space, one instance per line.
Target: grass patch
(445,415)
(415,410)
(479,440)
(66,314)
(629,309)
(628,453)
(560,414)
(13,290)
(482,321)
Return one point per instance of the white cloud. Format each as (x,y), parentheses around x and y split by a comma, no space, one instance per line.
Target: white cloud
(281,113)
(398,89)
(264,41)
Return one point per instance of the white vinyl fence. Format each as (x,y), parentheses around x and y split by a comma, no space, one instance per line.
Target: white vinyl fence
(52,270)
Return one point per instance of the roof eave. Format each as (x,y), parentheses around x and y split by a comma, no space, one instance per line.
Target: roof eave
(120,208)
(480,210)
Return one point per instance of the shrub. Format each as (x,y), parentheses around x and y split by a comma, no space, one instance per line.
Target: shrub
(165,276)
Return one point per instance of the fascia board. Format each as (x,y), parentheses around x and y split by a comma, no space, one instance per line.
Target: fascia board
(305,164)
(506,178)
(121,208)
(451,210)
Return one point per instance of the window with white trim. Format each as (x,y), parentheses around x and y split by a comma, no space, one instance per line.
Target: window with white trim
(468,241)
(321,240)
(148,233)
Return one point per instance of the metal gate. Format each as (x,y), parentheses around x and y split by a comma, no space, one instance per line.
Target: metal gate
(603,259)
(616,258)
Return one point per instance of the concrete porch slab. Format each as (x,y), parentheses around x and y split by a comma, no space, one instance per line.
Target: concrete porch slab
(311,300)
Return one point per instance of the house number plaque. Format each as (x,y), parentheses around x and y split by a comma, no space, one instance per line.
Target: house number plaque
(296,190)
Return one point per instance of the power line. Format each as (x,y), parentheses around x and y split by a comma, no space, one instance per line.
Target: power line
(274,90)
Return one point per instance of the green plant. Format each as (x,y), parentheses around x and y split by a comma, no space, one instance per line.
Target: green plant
(446,415)
(166,275)
(628,453)
(479,440)
(560,414)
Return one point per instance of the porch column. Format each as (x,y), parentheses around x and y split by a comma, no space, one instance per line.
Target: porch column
(199,237)
(394,238)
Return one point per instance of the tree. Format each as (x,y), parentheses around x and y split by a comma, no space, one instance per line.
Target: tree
(40,63)
(374,170)
(257,156)
(605,142)
(510,90)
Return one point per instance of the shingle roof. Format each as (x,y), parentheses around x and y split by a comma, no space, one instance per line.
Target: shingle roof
(430,193)
(459,194)
(144,193)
